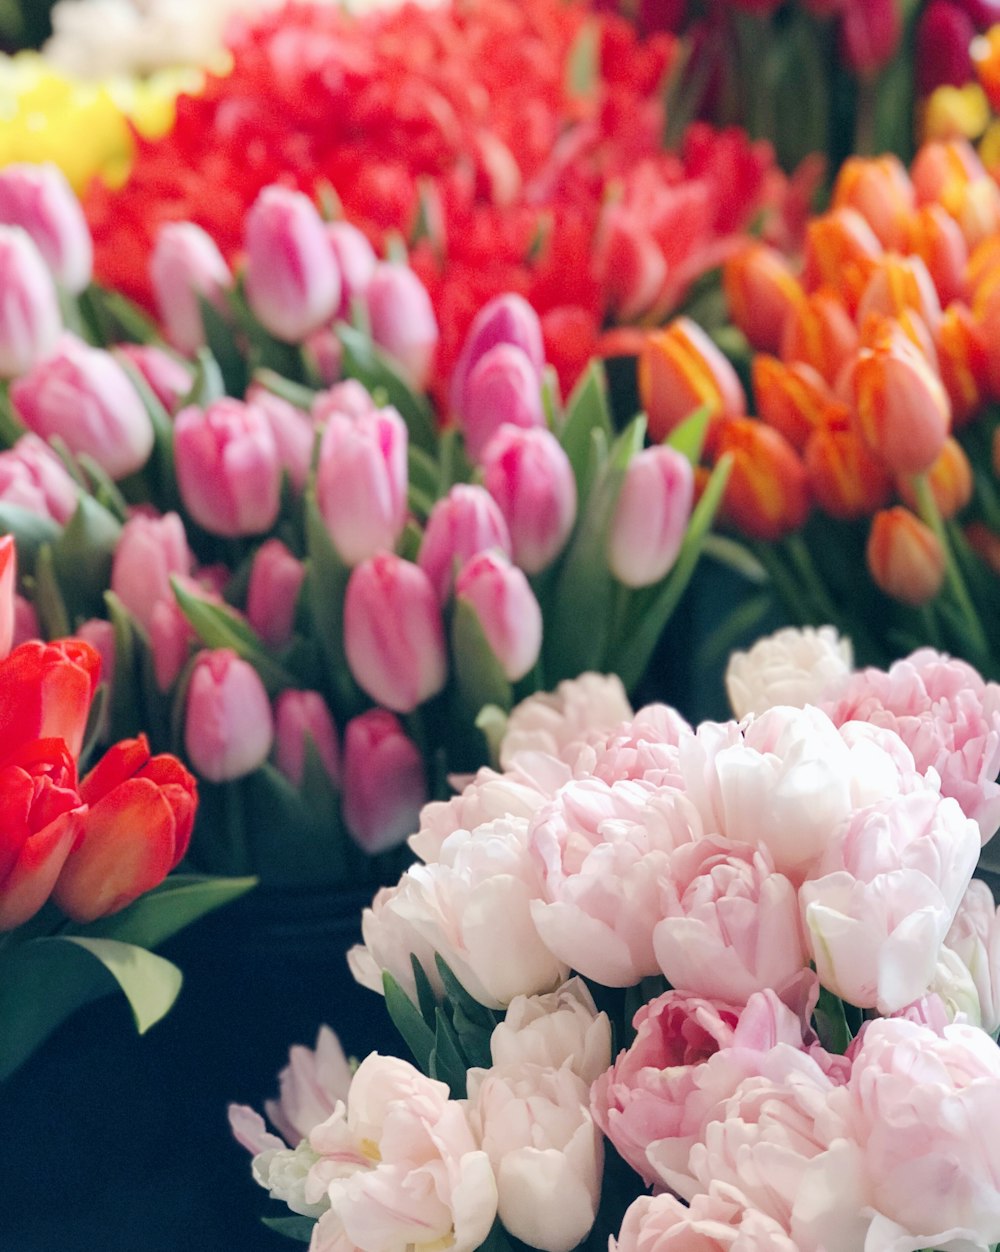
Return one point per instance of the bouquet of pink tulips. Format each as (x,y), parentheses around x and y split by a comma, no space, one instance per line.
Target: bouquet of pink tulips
(724,987)
(321,600)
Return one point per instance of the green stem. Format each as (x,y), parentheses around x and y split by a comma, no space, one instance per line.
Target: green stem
(799,553)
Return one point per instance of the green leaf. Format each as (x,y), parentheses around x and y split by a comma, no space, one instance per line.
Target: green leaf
(116,317)
(298,1228)
(177,902)
(125,717)
(830,1021)
(426,1000)
(162,460)
(491,720)
(82,555)
(219,627)
(296,394)
(446,1063)
(479,674)
(372,367)
(689,437)
(48,599)
(417,1035)
(221,341)
(44,981)
(459,997)
(208,385)
(424,472)
(586,412)
(583,64)
(31,532)
(11,426)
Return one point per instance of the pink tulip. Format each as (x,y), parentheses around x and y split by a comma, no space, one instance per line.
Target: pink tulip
(384,782)
(393,633)
(100,634)
(39,200)
(150,550)
(293,431)
(292,280)
(870,31)
(8,594)
(506,319)
(503,387)
(228,727)
(529,476)
(32,477)
(325,355)
(361,482)
(186,266)
(356,263)
(170,638)
(501,598)
(402,321)
(228,469)
(167,377)
(275,580)
(465,522)
(349,398)
(301,717)
(84,396)
(29,315)
(651,516)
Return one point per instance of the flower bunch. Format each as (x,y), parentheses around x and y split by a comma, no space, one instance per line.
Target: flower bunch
(515,147)
(872,378)
(307,590)
(741,964)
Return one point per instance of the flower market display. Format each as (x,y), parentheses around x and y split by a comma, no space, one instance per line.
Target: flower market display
(745,994)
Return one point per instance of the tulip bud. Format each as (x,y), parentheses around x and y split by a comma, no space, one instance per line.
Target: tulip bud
(845,478)
(841,251)
(944,36)
(761,292)
(964,360)
(39,200)
(465,522)
(8,590)
(767,495)
(361,482)
(33,478)
(293,431)
(529,476)
(900,283)
(187,266)
(937,238)
(84,396)
(870,31)
(402,321)
(149,552)
(503,387)
(228,470)
(29,314)
(324,356)
(228,727)
(793,399)
(821,333)
(505,319)
(501,598)
(680,370)
(384,782)
(901,408)
(393,633)
(356,261)
(950,479)
(302,717)
(348,397)
(952,175)
(878,188)
(169,379)
(904,557)
(275,580)
(292,280)
(170,638)
(651,516)
(630,264)
(985,543)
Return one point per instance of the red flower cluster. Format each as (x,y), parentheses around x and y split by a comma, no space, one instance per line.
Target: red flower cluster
(514,145)
(93,844)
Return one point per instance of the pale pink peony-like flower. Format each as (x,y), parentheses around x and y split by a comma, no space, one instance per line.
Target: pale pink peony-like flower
(795,666)
(974,938)
(551,721)
(718,1220)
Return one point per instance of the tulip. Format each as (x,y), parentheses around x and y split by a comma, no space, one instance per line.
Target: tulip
(39,200)
(985,543)
(651,516)
(465,522)
(951,174)
(630,263)
(501,597)
(845,478)
(393,633)
(904,557)
(503,387)
(301,718)
(46,690)
(529,476)
(275,581)
(324,356)
(870,31)
(793,399)
(901,408)
(169,379)
(29,315)
(384,783)
(355,260)
(361,482)
(228,470)
(348,397)
(964,359)
(293,431)
(170,638)
(944,36)
(506,319)
(228,727)
(761,292)
(950,479)
(937,238)
(32,477)
(878,188)
(8,589)
(100,634)
(149,552)
(821,333)
(136,829)
(185,268)
(680,370)
(83,396)
(767,495)
(985,53)
(402,321)
(896,284)
(841,250)
(292,279)
(26,625)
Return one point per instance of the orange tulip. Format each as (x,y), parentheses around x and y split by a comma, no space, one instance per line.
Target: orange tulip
(841,250)
(985,53)
(985,543)
(794,399)
(681,369)
(937,238)
(982,270)
(950,479)
(878,188)
(821,333)
(761,291)
(900,284)
(904,557)
(845,478)
(767,495)
(964,362)
(950,174)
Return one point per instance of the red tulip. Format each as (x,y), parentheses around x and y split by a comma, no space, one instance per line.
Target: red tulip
(45,693)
